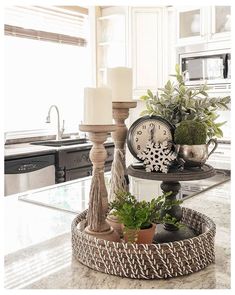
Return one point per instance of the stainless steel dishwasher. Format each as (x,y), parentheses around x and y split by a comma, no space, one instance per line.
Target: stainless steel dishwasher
(29,173)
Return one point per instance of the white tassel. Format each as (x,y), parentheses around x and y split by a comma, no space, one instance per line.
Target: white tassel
(94,215)
(118,181)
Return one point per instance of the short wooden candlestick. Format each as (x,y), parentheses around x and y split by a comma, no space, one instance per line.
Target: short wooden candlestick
(119,178)
(98,199)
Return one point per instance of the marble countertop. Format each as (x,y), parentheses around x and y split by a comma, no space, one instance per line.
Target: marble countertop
(38,251)
(23,149)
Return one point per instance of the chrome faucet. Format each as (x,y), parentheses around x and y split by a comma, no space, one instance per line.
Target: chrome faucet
(48,120)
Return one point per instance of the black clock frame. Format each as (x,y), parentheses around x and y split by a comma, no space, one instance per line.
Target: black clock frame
(145,118)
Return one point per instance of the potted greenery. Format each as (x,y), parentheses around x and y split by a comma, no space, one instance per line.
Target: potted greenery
(139,218)
(176,102)
(190,137)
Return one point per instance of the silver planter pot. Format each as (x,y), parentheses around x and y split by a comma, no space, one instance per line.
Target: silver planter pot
(195,155)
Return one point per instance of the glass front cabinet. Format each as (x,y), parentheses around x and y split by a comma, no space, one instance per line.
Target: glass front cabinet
(190,28)
(203,24)
(111,37)
(220,22)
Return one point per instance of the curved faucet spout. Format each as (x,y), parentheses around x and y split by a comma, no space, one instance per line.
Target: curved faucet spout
(48,120)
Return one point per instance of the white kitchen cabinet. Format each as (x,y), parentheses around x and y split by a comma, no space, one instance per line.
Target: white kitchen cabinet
(191,27)
(221,158)
(220,26)
(145,189)
(133,37)
(111,41)
(147,49)
(203,24)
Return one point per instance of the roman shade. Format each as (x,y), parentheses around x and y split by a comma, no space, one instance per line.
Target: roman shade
(52,23)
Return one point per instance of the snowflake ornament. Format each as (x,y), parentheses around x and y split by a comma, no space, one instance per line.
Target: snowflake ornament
(157,156)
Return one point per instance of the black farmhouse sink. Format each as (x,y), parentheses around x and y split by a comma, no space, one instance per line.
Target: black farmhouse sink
(62,142)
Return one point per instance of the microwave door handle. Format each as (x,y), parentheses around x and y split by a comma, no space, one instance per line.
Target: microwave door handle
(225,62)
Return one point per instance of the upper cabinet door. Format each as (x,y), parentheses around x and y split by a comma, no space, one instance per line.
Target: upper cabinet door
(190,25)
(203,24)
(220,22)
(111,41)
(147,49)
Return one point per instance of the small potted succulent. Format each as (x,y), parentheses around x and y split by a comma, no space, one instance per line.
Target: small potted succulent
(139,218)
(190,138)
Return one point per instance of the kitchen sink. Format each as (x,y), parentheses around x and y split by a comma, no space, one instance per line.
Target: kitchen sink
(62,142)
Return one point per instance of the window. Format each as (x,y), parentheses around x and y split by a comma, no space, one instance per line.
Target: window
(46,62)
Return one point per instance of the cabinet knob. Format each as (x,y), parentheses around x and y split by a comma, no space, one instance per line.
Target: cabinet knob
(85,157)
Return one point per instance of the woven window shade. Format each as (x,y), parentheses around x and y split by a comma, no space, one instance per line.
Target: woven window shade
(54,23)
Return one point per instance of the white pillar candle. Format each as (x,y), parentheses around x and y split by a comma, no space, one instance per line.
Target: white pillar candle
(120,81)
(97,106)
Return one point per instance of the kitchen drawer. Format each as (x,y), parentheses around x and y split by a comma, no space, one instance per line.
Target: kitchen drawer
(78,173)
(74,159)
(83,172)
(79,158)
(110,152)
(223,151)
(107,167)
(221,158)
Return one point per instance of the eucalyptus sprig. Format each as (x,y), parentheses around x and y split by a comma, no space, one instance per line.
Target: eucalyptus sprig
(177,102)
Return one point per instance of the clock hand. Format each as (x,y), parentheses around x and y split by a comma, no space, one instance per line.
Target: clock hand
(151,132)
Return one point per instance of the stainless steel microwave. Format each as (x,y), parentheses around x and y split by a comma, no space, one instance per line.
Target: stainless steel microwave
(213,67)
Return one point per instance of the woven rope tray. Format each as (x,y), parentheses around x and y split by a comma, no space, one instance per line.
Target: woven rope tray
(147,261)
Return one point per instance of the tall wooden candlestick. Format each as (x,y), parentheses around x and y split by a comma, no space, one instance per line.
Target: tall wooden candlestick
(119,178)
(98,199)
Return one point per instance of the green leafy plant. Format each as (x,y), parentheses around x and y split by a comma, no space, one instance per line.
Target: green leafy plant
(136,215)
(177,102)
(163,205)
(191,133)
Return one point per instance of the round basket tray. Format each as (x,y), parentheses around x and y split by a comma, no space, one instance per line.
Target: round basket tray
(147,261)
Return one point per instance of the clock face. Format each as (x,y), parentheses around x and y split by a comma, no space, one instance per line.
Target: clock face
(148,128)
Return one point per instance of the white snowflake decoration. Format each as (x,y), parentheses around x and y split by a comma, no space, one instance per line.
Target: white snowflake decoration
(157,156)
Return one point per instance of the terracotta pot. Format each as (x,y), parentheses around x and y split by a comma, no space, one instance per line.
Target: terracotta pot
(115,224)
(144,236)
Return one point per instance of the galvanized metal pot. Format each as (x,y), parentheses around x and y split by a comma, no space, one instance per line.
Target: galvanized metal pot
(195,155)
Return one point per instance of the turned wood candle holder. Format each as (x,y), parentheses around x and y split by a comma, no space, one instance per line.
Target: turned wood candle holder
(119,178)
(98,198)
